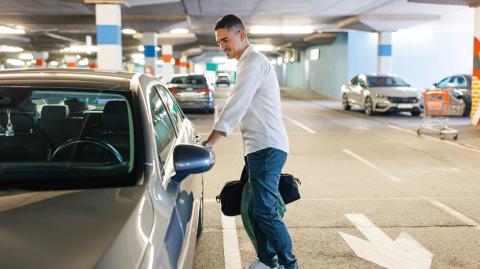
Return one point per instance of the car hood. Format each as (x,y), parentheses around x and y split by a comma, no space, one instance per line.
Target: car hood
(396,91)
(62,229)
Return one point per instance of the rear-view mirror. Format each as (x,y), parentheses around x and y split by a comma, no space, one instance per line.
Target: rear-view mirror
(191,159)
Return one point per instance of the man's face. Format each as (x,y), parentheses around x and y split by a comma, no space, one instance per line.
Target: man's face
(230,42)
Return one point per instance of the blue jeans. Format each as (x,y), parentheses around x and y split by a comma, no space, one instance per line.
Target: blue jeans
(264,167)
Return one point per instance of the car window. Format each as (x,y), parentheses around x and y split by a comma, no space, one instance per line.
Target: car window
(172,107)
(51,137)
(162,126)
(443,82)
(385,81)
(461,82)
(193,79)
(354,80)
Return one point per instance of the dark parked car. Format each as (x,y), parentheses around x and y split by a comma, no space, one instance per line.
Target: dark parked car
(223,80)
(460,86)
(119,186)
(193,92)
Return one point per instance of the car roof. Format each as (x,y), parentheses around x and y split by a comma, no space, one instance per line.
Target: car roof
(63,77)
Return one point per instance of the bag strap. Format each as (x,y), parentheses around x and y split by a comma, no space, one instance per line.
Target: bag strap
(244,176)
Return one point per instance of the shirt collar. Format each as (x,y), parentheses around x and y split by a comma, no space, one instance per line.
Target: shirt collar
(247,50)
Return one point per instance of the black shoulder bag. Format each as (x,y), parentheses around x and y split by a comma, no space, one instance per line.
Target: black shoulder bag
(230,197)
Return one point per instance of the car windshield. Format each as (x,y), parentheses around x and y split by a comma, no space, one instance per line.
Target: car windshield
(385,81)
(198,80)
(62,138)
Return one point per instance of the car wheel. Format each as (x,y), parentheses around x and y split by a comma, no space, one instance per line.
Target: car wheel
(200,219)
(368,106)
(346,105)
(415,113)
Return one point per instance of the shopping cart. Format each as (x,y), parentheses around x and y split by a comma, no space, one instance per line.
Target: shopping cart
(439,105)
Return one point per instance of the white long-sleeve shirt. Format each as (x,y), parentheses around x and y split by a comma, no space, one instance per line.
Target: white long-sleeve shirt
(254,104)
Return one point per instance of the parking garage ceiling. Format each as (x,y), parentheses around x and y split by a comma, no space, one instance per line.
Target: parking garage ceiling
(54,24)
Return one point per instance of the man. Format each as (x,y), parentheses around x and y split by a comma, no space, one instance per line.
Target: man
(254,104)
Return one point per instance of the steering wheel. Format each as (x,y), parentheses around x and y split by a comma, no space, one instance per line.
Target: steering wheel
(99,144)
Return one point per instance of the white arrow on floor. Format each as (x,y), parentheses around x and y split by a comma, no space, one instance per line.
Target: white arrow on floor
(403,253)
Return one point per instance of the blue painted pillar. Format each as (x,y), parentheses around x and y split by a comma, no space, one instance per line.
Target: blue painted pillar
(109,37)
(150,53)
(384,63)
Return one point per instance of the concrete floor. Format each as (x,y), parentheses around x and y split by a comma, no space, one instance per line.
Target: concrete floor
(350,163)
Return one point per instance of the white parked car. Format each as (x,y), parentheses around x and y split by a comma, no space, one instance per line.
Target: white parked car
(380,93)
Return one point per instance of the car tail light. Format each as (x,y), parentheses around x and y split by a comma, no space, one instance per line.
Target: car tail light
(173,90)
(205,91)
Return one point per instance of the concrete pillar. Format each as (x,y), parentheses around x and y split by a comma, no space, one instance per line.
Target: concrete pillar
(150,53)
(475,114)
(70,61)
(183,64)
(167,56)
(384,60)
(109,37)
(40,58)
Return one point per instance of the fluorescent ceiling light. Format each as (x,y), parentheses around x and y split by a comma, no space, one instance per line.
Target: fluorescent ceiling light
(138,56)
(21,27)
(25,56)
(179,31)
(293,29)
(11,31)
(263,47)
(128,31)
(15,62)
(5,48)
(79,49)
(139,61)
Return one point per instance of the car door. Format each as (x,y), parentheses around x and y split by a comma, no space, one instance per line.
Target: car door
(188,193)
(354,89)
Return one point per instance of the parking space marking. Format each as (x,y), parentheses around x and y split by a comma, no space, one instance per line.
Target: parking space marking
(474,149)
(231,249)
(215,113)
(455,213)
(371,165)
(300,125)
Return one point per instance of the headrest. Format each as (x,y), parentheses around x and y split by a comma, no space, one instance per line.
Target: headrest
(54,112)
(115,116)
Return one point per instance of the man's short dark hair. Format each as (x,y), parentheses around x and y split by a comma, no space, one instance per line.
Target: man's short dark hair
(229,22)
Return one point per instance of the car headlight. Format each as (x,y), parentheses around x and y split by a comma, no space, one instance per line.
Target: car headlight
(379,95)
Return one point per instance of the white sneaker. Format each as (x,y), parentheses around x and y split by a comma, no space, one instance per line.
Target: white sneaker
(259,265)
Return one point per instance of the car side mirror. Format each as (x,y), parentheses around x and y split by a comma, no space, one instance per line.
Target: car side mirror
(191,159)
(435,84)
(362,84)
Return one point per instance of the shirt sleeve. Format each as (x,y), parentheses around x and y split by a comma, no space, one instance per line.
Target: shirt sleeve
(248,81)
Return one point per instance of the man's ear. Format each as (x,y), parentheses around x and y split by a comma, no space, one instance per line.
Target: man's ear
(243,34)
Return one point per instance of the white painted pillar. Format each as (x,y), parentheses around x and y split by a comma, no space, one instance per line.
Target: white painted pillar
(109,37)
(183,64)
(70,61)
(40,58)
(384,56)
(150,53)
(475,114)
(167,56)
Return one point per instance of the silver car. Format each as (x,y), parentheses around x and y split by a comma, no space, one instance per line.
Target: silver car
(380,93)
(193,93)
(117,184)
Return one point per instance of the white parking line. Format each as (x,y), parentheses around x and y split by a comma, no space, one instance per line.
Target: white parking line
(215,113)
(468,147)
(300,125)
(393,178)
(231,249)
(455,213)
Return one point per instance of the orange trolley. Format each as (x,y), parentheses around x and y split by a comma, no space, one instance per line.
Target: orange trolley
(439,105)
